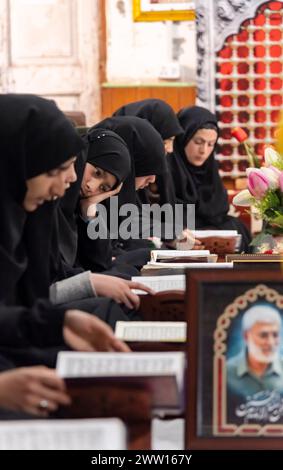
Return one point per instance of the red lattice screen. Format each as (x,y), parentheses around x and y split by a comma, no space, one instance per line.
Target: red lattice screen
(249,86)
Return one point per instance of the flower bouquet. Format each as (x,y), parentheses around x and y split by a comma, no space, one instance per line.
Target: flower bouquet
(265,195)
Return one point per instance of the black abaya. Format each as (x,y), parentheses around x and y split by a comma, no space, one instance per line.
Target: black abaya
(35,138)
(202,186)
(107,150)
(147,157)
(163,118)
(159,113)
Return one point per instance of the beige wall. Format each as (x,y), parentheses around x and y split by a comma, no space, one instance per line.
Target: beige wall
(138,51)
(50,47)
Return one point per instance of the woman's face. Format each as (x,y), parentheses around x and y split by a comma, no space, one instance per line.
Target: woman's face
(96,181)
(142,182)
(168,144)
(50,185)
(200,147)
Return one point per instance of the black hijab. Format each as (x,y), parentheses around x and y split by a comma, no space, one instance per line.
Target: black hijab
(35,137)
(157,112)
(202,185)
(146,150)
(163,118)
(106,150)
(66,223)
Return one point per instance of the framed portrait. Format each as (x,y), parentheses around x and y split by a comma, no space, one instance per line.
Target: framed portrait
(162,10)
(235,360)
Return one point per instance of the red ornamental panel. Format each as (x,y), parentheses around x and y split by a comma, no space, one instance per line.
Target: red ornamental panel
(249,85)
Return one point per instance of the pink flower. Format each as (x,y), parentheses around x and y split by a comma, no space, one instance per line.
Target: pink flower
(258,183)
(281,182)
(272,174)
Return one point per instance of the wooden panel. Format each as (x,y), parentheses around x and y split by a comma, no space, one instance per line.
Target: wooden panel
(187,97)
(163,306)
(106,103)
(143,93)
(124,96)
(113,97)
(174,99)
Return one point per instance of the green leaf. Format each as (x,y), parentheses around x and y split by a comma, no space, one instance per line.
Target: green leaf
(278,221)
(262,237)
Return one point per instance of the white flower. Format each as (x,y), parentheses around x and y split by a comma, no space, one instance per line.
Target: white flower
(271,157)
(243,198)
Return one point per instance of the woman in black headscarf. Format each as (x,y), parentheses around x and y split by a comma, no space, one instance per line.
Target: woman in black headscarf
(160,115)
(38,150)
(101,169)
(195,173)
(163,118)
(147,160)
(38,147)
(146,151)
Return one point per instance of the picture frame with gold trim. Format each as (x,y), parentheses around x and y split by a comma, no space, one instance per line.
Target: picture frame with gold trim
(163,10)
(217,416)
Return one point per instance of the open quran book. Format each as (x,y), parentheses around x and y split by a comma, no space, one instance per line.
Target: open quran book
(158,265)
(79,434)
(171,332)
(162,373)
(178,256)
(199,234)
(161,283)
(219,241)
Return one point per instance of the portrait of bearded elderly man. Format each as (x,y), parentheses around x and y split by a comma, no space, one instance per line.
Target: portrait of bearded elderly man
(258,367)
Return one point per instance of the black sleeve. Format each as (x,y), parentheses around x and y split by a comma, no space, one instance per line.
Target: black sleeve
(40,326)
(59,268)
(95,255)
